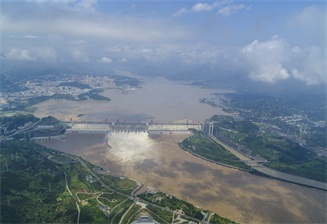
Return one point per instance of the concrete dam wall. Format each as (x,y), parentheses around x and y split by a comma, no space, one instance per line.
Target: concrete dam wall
(151,128)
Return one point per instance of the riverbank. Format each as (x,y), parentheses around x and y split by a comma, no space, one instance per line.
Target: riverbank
(274,173)
(235,194)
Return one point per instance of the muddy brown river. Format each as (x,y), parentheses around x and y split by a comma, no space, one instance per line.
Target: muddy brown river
(158,161)
(159,99)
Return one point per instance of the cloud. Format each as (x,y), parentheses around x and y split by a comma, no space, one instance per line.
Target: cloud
(19,54)
(310,23)
(311,67)
(199,7)
(265,60)
(231,9)
(69,23)
(36,53)
(309,16)
(275,60)
(180,12)
(105,60)
(225,8)
(73,31)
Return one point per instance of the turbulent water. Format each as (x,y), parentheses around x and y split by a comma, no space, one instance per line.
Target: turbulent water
(131,147)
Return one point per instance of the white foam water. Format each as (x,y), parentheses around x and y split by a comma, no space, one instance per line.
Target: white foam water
(131,146)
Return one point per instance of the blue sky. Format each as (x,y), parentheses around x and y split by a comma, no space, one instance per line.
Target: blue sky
(269,41)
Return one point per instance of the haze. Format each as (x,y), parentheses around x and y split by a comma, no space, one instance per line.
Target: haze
(256,42)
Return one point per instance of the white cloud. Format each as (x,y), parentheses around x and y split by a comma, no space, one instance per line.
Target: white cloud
(309,16)
(180,12)
(105,60)
(118,27)
(31,54)
(274,60)
(19,54)
(311,67)
(310,23)
(225,8)
(197,54)
(231,9)
(199,7)
(265,60)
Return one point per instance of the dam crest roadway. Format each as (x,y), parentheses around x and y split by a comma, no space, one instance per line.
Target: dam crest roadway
(151,128)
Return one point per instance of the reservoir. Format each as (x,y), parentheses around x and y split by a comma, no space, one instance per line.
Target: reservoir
(159,99)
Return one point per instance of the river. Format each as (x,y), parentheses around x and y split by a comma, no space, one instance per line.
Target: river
(158,161)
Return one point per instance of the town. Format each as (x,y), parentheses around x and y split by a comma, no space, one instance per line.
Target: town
(66,86)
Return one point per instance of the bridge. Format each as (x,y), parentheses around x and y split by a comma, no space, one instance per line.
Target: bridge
(151,128)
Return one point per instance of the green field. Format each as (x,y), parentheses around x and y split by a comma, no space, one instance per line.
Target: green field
(283,154)
(177,205)
(34,190)
(211,150)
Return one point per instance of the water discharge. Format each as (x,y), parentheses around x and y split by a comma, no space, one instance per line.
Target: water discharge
(131,146)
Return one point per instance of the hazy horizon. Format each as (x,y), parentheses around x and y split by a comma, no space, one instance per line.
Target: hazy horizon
(260,43)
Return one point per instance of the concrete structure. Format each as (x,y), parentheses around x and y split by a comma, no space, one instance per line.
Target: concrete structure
(208,129)
(88,127)
(151,128)
(145,219)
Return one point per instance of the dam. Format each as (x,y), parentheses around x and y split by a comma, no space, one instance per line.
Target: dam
(151,128)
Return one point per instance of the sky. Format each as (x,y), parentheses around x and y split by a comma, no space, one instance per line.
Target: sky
(267,41)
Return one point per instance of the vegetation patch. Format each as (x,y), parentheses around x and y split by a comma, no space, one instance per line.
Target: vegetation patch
(283,154)
(213,151)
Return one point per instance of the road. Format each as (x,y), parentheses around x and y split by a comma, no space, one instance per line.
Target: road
(274,173)
(135,199)
(78,209)
(20,131)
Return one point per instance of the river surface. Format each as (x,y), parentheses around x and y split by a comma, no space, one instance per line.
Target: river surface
(158,161)
(159,100)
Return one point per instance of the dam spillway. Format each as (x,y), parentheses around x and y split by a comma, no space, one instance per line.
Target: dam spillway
(151,128)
